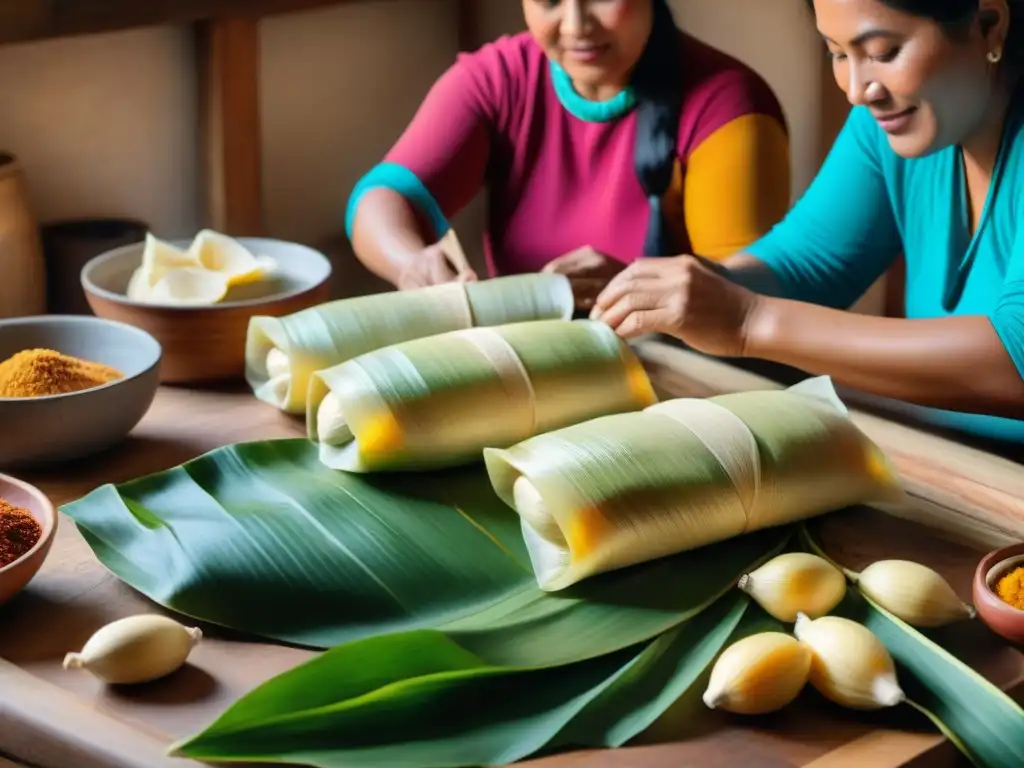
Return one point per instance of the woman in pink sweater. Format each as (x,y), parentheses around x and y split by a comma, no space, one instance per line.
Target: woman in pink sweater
(603,134)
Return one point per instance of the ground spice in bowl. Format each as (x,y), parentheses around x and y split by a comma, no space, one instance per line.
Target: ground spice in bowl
(19,532)
(1011,588)
(42,372)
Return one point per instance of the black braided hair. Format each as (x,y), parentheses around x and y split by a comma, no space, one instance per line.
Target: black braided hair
(658,84)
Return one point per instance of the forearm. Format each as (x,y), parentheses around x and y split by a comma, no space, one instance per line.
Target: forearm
(752,273)
(954,363)
(386,233)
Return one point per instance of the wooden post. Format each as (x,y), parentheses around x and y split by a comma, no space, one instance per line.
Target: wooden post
(229,61)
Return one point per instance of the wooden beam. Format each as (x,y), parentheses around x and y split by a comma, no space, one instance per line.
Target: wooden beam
(229,65)
(22,20)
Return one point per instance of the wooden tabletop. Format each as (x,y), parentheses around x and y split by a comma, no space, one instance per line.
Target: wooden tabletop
(51,718)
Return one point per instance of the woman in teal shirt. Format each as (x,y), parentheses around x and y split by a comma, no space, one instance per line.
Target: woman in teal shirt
(930,165)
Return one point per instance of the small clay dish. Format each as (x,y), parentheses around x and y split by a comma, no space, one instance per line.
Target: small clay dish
(206,344)
(14,576)
(1003,619)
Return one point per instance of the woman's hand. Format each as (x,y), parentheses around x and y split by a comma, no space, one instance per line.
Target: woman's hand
(432,266)
(589,272)
(684,296)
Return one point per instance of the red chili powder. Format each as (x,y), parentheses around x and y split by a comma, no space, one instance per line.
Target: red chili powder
(19,532)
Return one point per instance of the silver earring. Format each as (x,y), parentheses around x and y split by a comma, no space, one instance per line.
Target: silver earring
(995,56)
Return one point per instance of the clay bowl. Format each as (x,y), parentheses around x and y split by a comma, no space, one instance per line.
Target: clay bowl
(207,344)
(56,428)
(14,576)
(1003,619)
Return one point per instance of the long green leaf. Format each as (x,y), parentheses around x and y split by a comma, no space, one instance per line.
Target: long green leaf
(980,719)
(987,725)
(260,537)
(670,668)
(414,699)
(419,700)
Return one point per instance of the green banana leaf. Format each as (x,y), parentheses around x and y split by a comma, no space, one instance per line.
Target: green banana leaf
(675,667)
(983,722)
(418,699)
(262,538)
(421,587)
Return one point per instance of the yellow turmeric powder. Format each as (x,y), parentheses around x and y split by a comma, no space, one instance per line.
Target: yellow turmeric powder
(41,372)
(1011,588)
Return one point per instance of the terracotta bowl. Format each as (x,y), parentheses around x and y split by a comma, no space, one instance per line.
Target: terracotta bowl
(14,576)
(207,344)
(58,428)
(1003,619)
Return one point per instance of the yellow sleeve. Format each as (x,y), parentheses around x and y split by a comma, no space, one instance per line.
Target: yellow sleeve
(736,185)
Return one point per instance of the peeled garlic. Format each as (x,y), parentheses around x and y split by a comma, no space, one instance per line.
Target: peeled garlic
(278,363)
(913,592)
(331,426)
(795,582)
(850,665)
(135,649)
(758,674)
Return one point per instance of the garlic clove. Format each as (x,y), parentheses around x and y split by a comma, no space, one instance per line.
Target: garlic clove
(795,582)
(135,649)
(760,673)
(849,664)
(913,592)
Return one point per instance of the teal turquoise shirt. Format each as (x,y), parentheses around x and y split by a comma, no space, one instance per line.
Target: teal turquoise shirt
(868,205)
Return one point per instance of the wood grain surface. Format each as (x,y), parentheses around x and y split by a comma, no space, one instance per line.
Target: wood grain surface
(93,725)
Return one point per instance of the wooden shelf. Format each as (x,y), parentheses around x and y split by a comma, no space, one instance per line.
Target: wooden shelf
(24,20)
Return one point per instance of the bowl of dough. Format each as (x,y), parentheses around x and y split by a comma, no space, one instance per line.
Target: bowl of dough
(196,296)
(71,386)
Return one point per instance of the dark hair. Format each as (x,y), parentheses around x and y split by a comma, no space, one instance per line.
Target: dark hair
(658,84)
(955,15)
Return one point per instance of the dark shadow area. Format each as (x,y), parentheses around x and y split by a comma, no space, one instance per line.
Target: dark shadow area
(187,685)
(35,615)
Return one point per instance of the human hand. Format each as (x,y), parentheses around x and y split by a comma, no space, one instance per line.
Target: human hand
(683,297)
(433,266)
(588,272)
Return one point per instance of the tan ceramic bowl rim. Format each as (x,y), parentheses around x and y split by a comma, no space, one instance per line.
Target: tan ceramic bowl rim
(120,298)
(66,320)
(49,512)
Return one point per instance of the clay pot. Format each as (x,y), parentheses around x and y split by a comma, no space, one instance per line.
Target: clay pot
(1003,619)
(23,288)
(68,246)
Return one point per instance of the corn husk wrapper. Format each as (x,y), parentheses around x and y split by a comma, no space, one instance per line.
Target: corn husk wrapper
(282,353)
(625,488)
(439,401)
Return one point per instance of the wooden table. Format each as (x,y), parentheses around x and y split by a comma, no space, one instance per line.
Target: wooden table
(91,726)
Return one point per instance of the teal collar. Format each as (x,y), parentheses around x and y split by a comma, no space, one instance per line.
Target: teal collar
(584,109)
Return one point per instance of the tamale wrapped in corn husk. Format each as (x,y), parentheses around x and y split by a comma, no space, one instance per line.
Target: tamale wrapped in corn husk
(282,353)
(439,401)
(625,488)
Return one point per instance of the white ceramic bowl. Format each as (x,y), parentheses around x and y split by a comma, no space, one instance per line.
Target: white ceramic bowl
(44,430)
